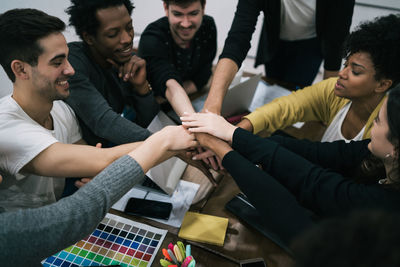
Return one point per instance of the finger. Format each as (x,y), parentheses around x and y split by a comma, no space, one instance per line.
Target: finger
(86,180)
(205,160)
(219,161)
(98,145)
(203,155)
(213,163)
(79,184)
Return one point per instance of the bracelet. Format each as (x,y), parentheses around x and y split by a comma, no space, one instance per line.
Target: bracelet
(149,89)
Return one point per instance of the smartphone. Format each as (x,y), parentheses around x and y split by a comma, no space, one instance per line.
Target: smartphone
(148,208)
(257,262)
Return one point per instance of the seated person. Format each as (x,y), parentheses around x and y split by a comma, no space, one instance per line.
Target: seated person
(40,139)
(29,236)
(179,49)
(298,176)
(108,77)
(362,239)
(348,104)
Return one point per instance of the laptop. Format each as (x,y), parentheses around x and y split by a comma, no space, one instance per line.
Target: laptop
(164,177)
(237,99)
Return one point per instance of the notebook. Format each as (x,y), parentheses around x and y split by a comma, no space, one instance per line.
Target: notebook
(204,228)
(166,175)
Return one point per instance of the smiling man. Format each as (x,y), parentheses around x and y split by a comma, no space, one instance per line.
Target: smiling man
(109,78)
(40,141)
(179,49)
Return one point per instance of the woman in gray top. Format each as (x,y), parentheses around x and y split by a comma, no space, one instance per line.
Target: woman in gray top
(29,236)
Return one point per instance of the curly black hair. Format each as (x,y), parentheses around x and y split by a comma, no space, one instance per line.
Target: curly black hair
(82,13)
(380,38)
(183,2)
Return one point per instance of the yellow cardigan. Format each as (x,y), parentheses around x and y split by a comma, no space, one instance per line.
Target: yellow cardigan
(317,102)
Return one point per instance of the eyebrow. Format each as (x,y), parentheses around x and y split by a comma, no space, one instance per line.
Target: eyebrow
(357,65)
(62,56)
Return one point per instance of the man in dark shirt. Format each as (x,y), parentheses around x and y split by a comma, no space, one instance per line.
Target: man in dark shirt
(108,77)
(179,50)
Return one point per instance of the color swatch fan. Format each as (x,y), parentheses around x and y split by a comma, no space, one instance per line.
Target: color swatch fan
(116,241)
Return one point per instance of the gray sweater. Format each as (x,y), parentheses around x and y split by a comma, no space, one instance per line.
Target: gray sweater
(28,236)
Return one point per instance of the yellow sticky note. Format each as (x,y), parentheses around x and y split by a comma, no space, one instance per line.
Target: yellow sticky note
(204,228)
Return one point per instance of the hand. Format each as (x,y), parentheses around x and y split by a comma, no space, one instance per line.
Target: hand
(330,73)
(82,182)
(178,138)
(209,123)
(133,71)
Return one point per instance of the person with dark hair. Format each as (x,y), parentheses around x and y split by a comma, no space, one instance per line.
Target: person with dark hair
(295,38)
(347,104)
(179,49)
(298,176)
(40,139)
(109,79)
(361,239)
(28,236)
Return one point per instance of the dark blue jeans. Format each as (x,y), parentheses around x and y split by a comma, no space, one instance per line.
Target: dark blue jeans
(296,62)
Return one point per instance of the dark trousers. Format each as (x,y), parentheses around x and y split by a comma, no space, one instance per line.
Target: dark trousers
(296,62)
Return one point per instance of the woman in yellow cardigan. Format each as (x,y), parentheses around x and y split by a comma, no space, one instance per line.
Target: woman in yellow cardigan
(347,104)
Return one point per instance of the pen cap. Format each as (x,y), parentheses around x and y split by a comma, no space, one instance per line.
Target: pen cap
(178,254)
(188,251)
(165,263)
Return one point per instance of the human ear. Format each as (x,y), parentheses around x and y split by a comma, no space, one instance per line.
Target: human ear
(384,85)
(19,69)
(88,38)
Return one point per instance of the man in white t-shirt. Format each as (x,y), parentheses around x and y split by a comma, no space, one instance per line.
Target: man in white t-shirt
(36,128)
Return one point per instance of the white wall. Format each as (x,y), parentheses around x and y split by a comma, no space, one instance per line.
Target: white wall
(147,11)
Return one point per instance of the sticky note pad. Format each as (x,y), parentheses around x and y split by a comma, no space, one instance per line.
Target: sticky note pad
(204,228)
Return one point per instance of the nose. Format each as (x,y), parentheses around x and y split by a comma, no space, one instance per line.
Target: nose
(185,22)
(69,70)
(126,37)
(343,73)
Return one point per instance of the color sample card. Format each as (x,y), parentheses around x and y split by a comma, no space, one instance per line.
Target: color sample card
(116,241)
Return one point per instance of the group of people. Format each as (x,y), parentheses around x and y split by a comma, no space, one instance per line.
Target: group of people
(80,109)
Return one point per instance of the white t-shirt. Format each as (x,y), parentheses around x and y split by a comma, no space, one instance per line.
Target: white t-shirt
(297,20)
(21,140)
(334,130)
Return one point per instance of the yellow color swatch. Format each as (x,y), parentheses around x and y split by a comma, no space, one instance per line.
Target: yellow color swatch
(204,228)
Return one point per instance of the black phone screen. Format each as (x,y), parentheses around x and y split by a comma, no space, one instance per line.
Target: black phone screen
(148,208)
(253,263)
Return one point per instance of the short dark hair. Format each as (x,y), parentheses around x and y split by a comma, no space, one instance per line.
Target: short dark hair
(82,13)
(363,238)
(20,32)
(183,2)
(380,38)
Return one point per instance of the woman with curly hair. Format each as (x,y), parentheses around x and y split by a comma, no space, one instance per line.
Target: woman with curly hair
(349,103)
(299,176)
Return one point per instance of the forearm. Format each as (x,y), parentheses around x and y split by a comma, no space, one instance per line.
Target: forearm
(66,160)
(222,78)
(28,236)
(178,98)
(246,125)
(151,152)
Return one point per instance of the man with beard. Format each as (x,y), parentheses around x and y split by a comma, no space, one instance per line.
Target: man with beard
(179,49)
(109,78)
(40,139)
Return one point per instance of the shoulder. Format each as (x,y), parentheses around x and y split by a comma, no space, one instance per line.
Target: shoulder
(159,26)
(78,56)
(63,112)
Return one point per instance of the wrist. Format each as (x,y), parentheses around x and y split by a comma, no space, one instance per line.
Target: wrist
(143,89)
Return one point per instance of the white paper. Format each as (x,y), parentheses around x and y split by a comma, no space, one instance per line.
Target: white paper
(181,200)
